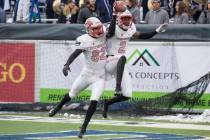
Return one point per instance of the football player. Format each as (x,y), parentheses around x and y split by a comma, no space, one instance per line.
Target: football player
(93,46)
(117,46)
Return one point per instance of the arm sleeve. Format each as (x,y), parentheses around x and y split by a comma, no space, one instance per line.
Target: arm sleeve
(147,35)
(111,30)
(74,55)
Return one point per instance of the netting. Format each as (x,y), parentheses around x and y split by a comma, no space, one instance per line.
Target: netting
(187,96)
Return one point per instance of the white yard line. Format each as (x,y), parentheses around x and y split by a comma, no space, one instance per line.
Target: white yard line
(108,122)
(42,138)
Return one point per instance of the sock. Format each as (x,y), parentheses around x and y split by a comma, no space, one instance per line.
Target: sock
(65,99)
(89,113)
(120,68)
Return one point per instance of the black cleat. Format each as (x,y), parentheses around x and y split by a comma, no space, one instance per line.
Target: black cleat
(53,111)
(118,93)
(105,110)
(81,132)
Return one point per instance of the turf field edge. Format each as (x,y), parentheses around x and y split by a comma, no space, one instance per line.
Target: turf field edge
(22,128)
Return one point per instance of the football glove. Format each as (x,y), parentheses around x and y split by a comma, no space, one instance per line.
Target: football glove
(162,28)
(66,68)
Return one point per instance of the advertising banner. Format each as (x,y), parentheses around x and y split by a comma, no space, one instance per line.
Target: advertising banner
(167,66)
(156,68)
(17,72)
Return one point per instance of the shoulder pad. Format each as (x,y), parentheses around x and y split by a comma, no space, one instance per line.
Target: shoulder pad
(77,43)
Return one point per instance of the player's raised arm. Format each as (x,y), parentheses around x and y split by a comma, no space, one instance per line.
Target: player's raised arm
(118,6)
(111,29)
(148,35)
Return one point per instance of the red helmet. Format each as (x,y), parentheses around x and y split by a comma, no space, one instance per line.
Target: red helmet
(94,27)
(124,20)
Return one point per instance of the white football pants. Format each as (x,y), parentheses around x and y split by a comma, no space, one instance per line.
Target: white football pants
(111,68)
(86,79)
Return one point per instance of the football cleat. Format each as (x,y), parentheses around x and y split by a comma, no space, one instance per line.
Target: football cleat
(53,111)
(81,132)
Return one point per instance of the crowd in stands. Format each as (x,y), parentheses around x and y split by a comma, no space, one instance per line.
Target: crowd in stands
(77,11)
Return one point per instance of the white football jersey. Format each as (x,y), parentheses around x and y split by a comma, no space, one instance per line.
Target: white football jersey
(95,52)
(117,45)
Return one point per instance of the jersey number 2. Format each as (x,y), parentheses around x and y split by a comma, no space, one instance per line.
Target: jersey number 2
(122,47)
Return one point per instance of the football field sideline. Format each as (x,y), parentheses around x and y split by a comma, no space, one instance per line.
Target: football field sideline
(39,126)
(170,125)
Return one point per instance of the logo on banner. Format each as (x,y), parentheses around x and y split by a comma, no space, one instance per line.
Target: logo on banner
(8,72)
(17,72)
(141,57)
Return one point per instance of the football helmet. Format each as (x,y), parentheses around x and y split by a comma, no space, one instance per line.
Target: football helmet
(94,27)
(124,20)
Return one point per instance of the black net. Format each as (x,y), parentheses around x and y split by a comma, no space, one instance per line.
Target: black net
(186,96)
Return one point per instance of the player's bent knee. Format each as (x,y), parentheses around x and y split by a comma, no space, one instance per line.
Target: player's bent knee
(123,58)
(72,95)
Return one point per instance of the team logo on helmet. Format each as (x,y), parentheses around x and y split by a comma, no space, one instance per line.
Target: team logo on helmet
(124,20)
(94,27)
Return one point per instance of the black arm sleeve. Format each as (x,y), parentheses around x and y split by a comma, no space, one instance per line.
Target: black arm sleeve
(111,30)
(74,55)
(147,35)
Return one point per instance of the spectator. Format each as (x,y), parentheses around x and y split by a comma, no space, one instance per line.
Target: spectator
(2,16)
(181,16)
(4,5)
(88,9)
(145,8)
(104,10)
(139,4)
(49,9)
(134,10)
(187,4)
(1,4)
(156,15)
(58,7)
(204,17)
(71,11)
(23,11)
(65,10)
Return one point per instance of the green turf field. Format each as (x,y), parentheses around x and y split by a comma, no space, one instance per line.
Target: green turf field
(12,126)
